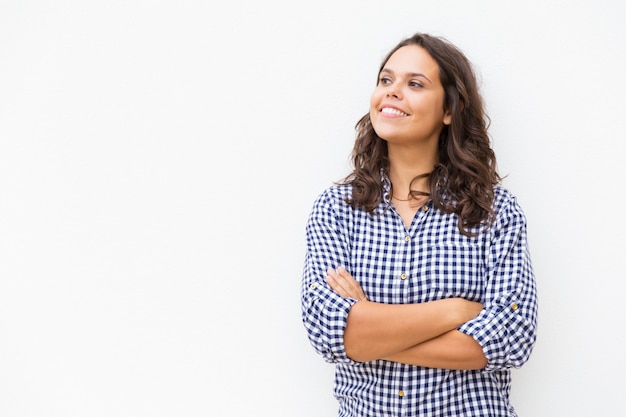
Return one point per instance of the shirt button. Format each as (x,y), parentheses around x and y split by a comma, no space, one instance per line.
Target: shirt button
(403,276)
(514,306)
(401,393)
(312,286)
(406,238)
(425,208)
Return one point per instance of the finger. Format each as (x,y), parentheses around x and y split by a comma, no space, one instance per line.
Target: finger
(351,285)
(342,282)
(344,278)
(337,287)
(337,283)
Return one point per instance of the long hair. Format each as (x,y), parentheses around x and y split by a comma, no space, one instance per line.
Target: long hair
(463,178)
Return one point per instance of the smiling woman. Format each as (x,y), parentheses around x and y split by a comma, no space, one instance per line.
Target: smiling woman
(407,106)
(418,283)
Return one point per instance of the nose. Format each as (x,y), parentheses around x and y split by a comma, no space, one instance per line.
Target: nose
(393,91)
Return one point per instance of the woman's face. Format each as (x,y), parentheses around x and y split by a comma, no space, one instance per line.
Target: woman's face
(406,106)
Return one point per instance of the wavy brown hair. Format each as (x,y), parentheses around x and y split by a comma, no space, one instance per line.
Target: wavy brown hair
(463,179)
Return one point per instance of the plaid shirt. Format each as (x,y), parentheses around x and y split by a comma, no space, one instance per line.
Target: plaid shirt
(430,261)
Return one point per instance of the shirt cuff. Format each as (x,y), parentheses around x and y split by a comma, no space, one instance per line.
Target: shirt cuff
(490,330)
(327,316)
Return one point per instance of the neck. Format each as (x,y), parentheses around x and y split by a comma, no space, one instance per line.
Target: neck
(405,166)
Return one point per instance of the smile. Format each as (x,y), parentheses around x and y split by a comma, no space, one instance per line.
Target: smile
(392,112)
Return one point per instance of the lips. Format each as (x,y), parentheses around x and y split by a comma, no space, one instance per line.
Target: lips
(391,111)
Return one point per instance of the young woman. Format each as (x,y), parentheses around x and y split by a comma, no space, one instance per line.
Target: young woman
(418,283)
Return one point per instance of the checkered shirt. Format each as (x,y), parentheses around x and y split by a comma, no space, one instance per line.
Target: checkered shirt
(430,261)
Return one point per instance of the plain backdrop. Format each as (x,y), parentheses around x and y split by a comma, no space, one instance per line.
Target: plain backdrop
(158,161)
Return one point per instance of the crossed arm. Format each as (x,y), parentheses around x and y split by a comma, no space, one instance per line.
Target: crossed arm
(418,334)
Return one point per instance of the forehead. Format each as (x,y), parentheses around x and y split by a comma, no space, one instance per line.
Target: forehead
(412,59)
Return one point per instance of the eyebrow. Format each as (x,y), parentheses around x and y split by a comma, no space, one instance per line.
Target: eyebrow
(410,74)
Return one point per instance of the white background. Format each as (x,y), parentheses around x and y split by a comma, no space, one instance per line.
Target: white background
(158,160)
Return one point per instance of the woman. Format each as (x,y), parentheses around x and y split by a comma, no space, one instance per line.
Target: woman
(418,283)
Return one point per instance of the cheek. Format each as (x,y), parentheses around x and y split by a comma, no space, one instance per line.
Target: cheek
(374,100)
(374,120)
(374,103)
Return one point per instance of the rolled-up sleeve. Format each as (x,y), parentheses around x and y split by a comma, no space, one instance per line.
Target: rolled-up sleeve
(506,328)
(325,313)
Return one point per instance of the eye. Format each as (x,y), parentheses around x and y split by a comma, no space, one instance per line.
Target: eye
(415,84)
(384,80)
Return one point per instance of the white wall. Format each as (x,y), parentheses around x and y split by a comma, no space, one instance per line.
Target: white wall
(158,160)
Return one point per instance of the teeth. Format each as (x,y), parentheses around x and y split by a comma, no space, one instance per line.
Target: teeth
(389,110)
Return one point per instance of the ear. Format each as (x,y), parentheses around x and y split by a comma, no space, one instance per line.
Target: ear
(447,117)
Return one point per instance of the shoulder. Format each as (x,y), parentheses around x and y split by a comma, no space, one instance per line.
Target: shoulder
(506,205)
(334,196)
(502,195)
(330,207)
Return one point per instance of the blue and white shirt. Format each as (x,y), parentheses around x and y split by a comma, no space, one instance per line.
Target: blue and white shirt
(429,261)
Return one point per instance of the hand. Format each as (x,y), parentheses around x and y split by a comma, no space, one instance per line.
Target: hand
(344,284)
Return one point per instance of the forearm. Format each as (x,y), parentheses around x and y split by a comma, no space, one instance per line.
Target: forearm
(374,330)
(452,350)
